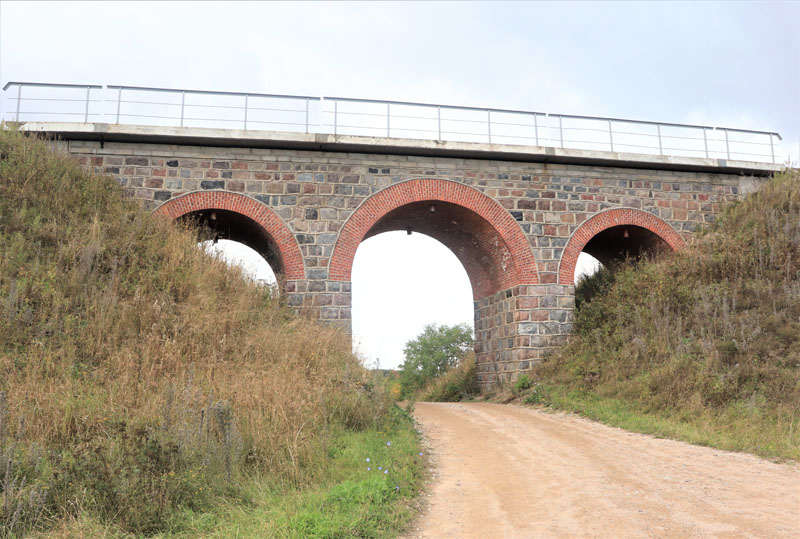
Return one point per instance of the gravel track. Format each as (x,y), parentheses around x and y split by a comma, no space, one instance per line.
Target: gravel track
(507,471)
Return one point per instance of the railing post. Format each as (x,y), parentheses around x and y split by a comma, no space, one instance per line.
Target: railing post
(388,120)
(610,136)
(536,129)
(19,99)
(660,147)
(119,101)
(772,148)
(86,110)
(246,103)
(306,115)
(561,131)
(727,147)
(183,100)
(705,140)
(335,115)
(489,124)
(439,120)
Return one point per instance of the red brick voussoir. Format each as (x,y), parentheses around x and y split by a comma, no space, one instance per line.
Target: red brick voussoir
(523,266)
(607,219)
(288,250)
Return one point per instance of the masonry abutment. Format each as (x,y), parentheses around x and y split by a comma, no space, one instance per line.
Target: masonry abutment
(520,224)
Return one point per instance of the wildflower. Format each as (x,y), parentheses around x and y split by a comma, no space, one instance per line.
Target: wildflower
(385,471)
(380,467)
(420,453)
(388,443)
(369,469)
(397,487)
(367,459)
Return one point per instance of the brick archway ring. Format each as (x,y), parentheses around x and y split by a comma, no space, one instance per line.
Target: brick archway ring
(285,242)
(607,219)
(374,208)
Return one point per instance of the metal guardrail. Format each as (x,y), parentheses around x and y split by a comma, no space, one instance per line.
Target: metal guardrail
(348,116)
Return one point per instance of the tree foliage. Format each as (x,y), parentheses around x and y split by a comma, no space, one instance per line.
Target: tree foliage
(432,353)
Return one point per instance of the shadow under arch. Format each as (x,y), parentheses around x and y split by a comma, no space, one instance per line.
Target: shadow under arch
(246,220)
(482,234)
(615,233)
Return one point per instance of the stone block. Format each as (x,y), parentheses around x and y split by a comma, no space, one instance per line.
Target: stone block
(329,313)
(318,274)
(528,328)
(212,184)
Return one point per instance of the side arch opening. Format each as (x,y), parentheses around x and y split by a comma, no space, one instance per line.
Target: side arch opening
(615,235)
(241,219)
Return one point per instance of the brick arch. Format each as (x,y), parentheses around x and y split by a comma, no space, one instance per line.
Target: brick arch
(512,258)
(608,219)
(291,260)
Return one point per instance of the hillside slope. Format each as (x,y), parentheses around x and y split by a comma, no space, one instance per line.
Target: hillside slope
(709,337)
(139,376)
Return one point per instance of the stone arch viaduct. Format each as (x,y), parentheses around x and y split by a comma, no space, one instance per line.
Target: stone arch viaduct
(517,218)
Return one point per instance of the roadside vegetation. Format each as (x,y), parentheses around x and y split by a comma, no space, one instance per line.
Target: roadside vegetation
(436,363)
(146,388)
(457,384)
(702,346)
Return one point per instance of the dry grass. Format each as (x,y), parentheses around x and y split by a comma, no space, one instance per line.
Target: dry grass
(711,335)
(116,329)
(456,384)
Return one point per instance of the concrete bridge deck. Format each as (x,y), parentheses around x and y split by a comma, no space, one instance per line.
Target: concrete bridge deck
(324,142)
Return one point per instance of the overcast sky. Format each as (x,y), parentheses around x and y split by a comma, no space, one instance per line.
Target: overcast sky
(722,64)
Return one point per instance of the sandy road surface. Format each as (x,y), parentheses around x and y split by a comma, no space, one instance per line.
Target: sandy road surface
(505,471)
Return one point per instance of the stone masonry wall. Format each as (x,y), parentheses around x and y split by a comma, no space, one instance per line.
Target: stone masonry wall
(314,194)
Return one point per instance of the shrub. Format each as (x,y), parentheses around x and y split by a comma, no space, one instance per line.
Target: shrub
(522,383)
(435,351)
(457,384)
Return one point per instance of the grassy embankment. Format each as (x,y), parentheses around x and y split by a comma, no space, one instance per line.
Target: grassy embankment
(703,346)
(146,388)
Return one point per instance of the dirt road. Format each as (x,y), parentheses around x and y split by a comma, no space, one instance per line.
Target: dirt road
(506,471)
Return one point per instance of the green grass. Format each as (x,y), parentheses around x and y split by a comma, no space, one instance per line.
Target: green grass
(347,500)
(732,430)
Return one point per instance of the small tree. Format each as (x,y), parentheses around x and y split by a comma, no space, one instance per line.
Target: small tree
(432,353)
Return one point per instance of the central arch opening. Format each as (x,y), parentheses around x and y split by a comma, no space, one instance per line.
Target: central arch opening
(474,241)
(425,262)
(401,283)
(488,243)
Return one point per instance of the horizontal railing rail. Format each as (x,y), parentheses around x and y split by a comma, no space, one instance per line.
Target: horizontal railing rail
(369,117)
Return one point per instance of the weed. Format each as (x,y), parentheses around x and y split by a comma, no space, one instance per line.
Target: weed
(522,383)
(537,396)
(456,384)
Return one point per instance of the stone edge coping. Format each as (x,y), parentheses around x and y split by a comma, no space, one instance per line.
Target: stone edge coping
(199,136)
